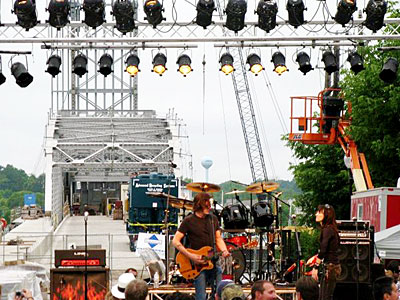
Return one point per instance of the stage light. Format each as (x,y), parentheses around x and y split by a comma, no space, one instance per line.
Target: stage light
(2,77)
(356,62)
(235,12)
(255,63)
(205,10)
(389,70)
(26,13)
(279,63)
(123,11)
(80,65)
(22,77)
(105,64)
(153,10)
(59,12)
(331,109)
(296,10)
(94,12)
(330,62)
(226,62)
(266,11)
(132,65)
(159,62)
(53,65)
(345,11)
(184,62)
(376,10)
(303,59)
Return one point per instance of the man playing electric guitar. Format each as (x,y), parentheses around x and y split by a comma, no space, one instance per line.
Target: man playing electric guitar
(201,229)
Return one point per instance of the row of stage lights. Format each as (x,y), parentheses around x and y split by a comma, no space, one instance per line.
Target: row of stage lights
(124,10)
(80,65)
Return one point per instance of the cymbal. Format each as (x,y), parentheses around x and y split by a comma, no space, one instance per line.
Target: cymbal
(262,187)
(175,202)
(203,187)
(235,192)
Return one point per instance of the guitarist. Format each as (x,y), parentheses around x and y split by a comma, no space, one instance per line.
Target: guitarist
(201,229)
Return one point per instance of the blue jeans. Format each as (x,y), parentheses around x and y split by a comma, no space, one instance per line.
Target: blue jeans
(206,277)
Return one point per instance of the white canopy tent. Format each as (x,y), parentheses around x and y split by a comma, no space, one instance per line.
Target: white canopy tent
(388,243)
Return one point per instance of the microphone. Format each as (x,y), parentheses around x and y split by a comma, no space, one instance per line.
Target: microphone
(172,164)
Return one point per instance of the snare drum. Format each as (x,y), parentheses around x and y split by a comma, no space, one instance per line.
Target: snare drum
(262,214)
(235,217)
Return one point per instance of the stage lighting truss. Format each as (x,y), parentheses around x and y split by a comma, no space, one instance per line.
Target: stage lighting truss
(2,77)
(21,74)
(303,59)
(375,10)
(254,62)
(94,12)
(59,13)
(279,61)
(132,65)
(267,11)
(226,62)
(205,9)
(235,13)
(389,70)
(345,11)
(79,66)
(153,10)
(26,13)
(296,10)
(53,65)
(124,11)
(356,62)
(106,64)
(330,62)
(159,64)
(184,64)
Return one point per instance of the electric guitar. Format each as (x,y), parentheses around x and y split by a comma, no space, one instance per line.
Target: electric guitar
(190,270)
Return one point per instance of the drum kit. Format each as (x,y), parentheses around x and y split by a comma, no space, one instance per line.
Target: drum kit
(241,223)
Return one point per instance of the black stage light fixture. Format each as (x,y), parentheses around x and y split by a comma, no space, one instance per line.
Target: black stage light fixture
(296,10)
(59,12)
(356,62)
(153,10)
(235,13)
(106,64)
(345,11)
(330,62)
(226,62)
(205,10)
(26,13)
(389,70)
(2,77)
(184,64)
(255,63)
(303,59)
(132,65)
(376,10)
(53,65)
(123,11)
(94,12)
(22,77)
(159,62)
(266,11)
(279,63)
(79,66)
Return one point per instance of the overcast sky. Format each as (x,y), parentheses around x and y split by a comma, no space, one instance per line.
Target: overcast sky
(24,112)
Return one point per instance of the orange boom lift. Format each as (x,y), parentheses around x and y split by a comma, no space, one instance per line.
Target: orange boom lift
(323,120)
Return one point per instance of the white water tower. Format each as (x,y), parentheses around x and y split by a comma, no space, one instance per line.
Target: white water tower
(206,162)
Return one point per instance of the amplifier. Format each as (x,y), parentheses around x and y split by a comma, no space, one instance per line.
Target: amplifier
(76,258)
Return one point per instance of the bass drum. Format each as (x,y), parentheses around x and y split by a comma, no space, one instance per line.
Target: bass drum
(235,217)
(262,214)
(233,265)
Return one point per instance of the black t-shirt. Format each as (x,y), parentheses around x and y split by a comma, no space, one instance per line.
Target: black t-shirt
(329,244)
(198,230)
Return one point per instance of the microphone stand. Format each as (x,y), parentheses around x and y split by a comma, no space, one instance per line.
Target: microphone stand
(86,215)
(214,259)
(299,251)
(357,258)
